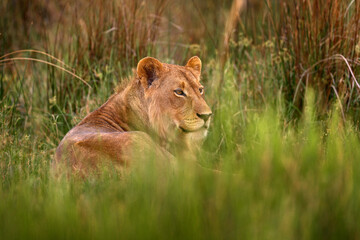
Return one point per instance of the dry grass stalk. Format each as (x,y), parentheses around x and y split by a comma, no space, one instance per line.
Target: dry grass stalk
(6,60)
(230,26)
(316,36)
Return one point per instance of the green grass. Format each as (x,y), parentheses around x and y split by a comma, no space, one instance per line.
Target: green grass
(289,167)
(278,181)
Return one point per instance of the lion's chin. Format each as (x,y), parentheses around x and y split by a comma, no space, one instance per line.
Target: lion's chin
(193,139)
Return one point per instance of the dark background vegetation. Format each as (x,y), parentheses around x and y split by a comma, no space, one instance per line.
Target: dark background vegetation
(300,43)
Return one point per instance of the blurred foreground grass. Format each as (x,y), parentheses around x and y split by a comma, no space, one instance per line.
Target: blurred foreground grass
(278,182)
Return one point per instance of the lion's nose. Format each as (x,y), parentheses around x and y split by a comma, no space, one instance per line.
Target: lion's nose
(205,116)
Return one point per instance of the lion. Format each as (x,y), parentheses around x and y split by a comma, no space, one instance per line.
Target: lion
(162,106)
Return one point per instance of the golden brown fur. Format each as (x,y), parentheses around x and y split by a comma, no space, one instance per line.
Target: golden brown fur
(163,101)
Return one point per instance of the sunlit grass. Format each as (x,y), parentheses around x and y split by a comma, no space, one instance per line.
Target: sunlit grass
(277,181)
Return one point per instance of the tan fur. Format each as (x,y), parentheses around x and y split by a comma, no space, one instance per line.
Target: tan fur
(147,106)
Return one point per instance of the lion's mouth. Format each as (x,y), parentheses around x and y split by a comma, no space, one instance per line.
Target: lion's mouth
(195,130)
(184,130)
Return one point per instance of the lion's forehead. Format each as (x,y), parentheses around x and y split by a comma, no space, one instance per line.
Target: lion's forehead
(178,74)
(190,79)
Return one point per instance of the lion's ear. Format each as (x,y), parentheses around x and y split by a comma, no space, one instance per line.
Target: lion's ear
(194,64)
(148,70)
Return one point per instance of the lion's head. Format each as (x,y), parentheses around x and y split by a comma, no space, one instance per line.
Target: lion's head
(175,98)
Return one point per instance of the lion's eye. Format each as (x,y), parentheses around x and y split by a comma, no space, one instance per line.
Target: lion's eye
(201,90)
(179,92)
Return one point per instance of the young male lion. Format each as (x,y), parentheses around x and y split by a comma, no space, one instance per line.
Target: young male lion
(163,104)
